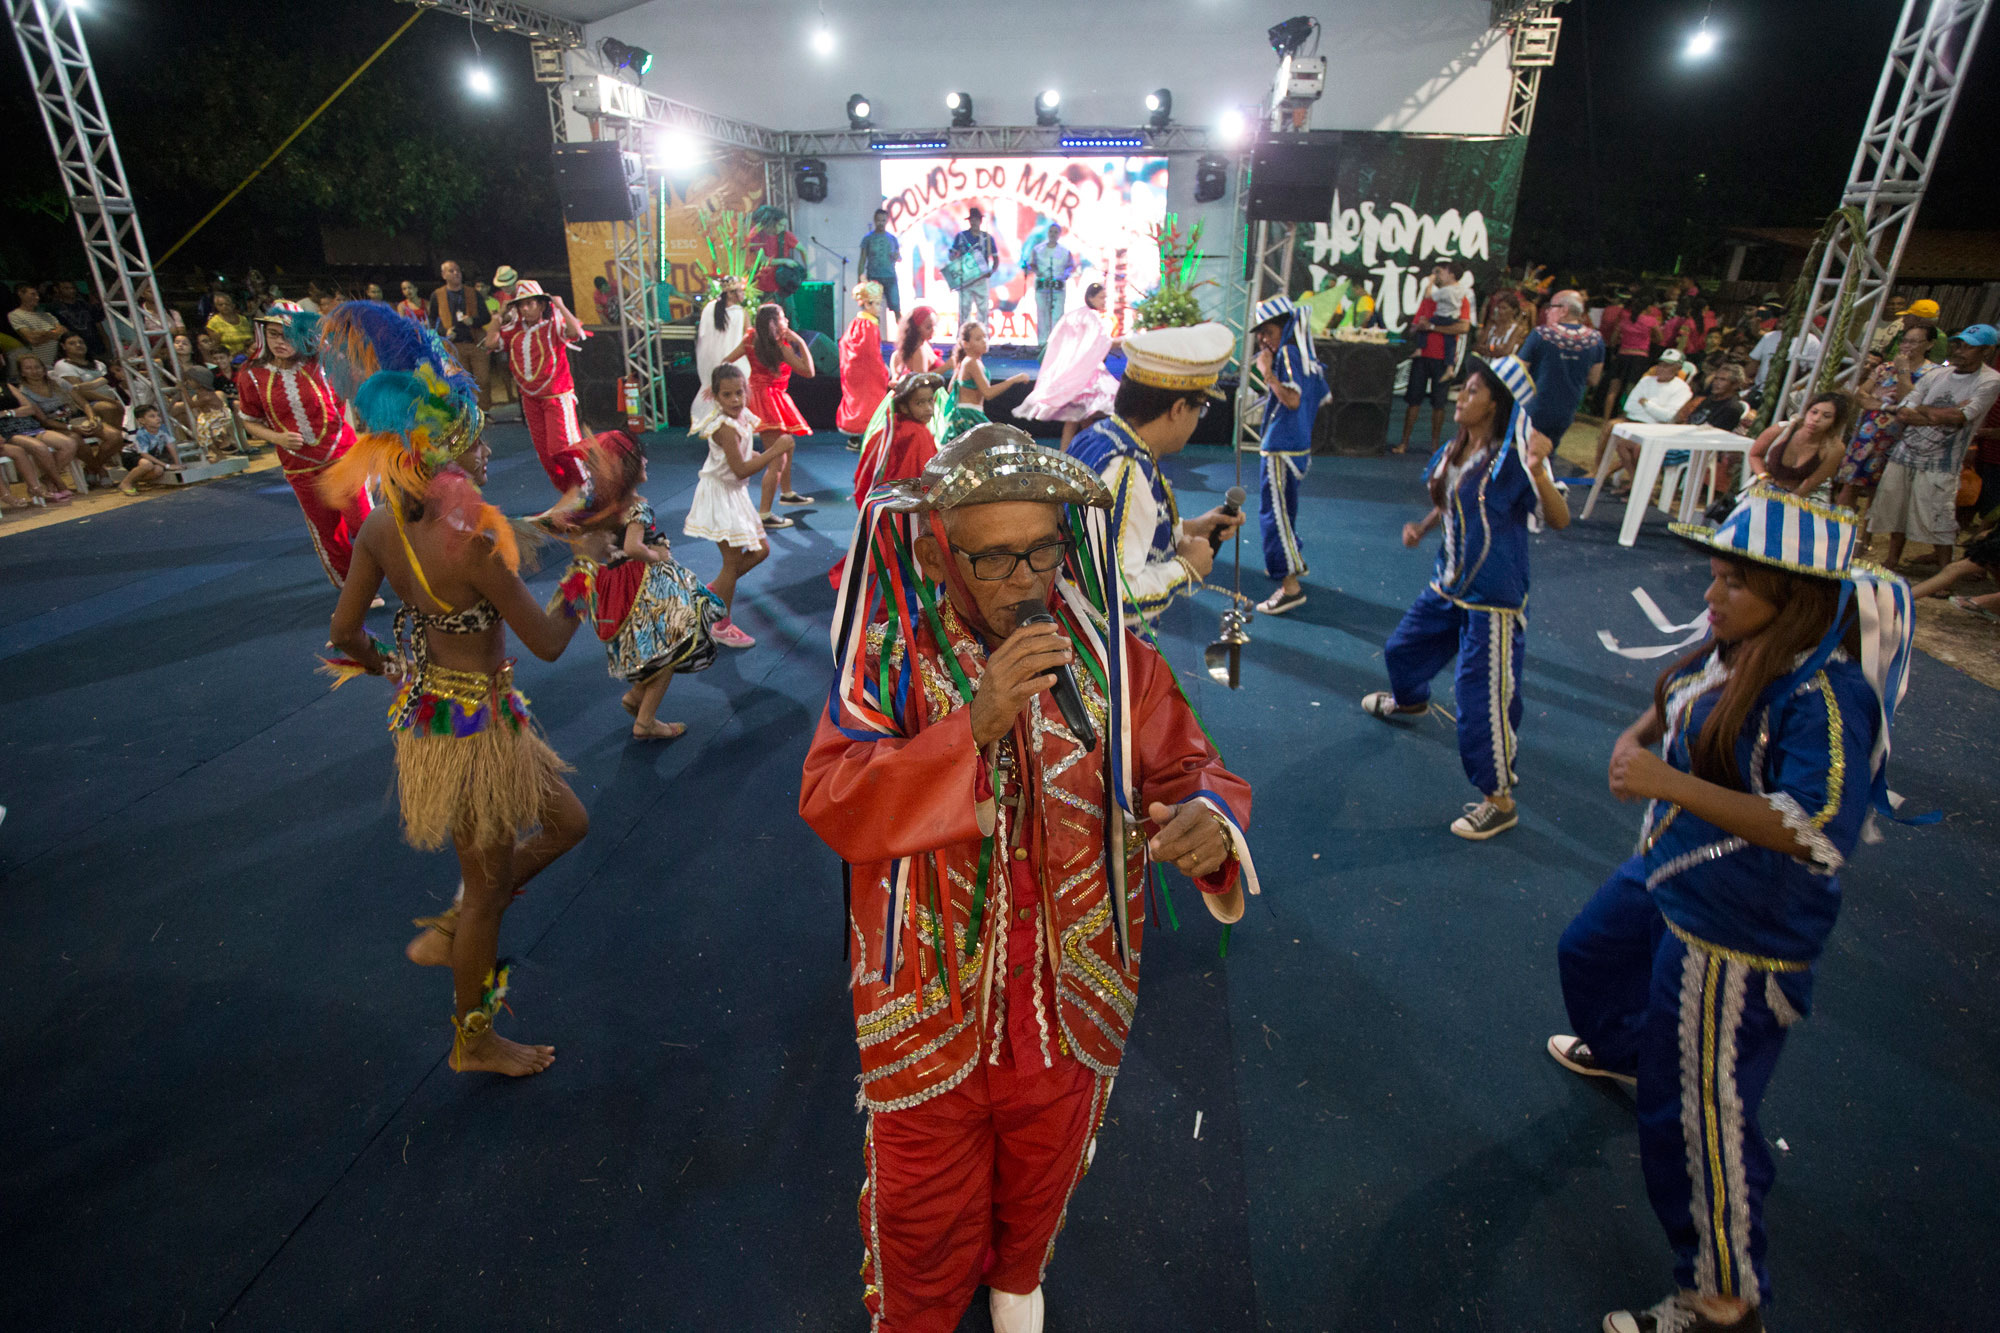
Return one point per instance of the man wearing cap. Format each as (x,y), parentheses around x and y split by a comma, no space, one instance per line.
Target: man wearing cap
(537,331)
(1169,378)
(998,846)
(285,400)
(1918,494)
(1657,398)
(974,256)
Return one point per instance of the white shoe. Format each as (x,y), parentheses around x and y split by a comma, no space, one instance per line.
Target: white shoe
(1015,1314)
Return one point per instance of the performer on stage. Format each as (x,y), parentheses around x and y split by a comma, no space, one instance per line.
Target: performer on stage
(864,376)
(286,401)
(1685,972)
(537,331)
(962,405)
(775,352)
(1485,486)
(1169,378)
(1052,264)
(718,339)
(972,259)
(652,613)
(880,253)
(913,354)
(1296,389)
(995,943)
(1072,386)
(471,766)
(721,511)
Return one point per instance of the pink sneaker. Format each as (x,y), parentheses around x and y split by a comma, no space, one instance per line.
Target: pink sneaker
(729,636)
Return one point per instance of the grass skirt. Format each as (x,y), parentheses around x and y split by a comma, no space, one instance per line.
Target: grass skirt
(487,784)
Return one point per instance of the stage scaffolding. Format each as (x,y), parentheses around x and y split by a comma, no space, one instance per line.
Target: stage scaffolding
(107,220)
(1892,169)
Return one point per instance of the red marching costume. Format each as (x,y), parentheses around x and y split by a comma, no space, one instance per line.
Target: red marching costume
(298,399)
(997,902)
(538,356)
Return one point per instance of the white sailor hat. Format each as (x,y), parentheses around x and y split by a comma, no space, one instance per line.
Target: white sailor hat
(1179,358)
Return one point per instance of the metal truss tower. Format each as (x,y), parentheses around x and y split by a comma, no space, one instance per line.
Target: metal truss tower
(1892,168)
(1532,32)
(93,181)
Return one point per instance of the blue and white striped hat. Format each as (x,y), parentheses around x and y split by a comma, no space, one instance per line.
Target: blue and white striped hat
(1775,527)
(1295,329)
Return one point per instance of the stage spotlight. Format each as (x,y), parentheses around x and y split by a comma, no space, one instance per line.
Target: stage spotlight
(1047,108)
(678,153)
(960,106)
(858,111)
(619,55)
(1229,130)
(1290,35)
(823,41)
(809,180)
(1701,43)
(480,80)
(1159,108)
(1211,179)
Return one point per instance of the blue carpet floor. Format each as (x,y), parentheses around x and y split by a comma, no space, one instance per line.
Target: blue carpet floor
(225,1102)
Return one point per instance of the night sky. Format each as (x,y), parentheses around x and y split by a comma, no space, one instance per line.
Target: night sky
(1638,158)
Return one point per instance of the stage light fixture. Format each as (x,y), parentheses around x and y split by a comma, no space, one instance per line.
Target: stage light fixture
(858,112)
(809,180)
(1289,36)
(622,56)
(678,153)
(908,143)
(1701,43)
(1229,129)
(1047,108)
(480,80)
(823,40)
(1211,179)
(960,106)
(1099,143)
(1159,108)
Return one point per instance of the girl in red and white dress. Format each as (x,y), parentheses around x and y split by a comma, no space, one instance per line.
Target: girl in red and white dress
(285,400)
(537,331)
(775,352)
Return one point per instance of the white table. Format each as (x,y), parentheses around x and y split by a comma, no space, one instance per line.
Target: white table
(1654,440)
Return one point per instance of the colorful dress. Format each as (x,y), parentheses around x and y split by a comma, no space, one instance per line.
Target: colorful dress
(1876,433)
(948,418)
(770,400)
(1072,384)
(864,375)
(653,617)
(298,399)
(722,510)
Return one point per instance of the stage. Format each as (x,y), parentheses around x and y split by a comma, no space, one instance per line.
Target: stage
(228,1105)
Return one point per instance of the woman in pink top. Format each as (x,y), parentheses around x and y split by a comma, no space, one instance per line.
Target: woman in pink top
(1637,335)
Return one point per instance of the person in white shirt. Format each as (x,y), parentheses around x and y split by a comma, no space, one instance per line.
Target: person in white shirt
(1805,353)
(1658,397)
(1918,495)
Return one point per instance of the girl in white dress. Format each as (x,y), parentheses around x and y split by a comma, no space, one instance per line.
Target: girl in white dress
(722,511)
(718,333)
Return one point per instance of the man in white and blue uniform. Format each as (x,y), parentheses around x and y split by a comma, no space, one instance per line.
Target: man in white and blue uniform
(1170,375)
(1295,390)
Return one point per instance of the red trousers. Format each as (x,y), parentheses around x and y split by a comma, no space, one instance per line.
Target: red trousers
(970,1187)
(552,425)
(333,530)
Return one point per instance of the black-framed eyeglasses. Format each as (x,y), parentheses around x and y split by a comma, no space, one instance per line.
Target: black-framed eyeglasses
(998,566)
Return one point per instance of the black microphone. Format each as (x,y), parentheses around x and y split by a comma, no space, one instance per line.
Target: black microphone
(1232,505)
(1075,716)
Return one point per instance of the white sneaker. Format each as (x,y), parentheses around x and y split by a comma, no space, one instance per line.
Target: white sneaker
(1015,1314)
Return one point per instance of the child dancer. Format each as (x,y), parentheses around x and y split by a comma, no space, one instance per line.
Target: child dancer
(775,352)
(1685,972)
(537,331)
(718,337)
(721,511)
(654,616)
(864,377)
(963,403)
(1073,387)
(1485,485)
(913,354)
(1296,388)
(899,439)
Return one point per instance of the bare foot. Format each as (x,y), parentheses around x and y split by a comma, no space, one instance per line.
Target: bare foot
(377,604)
(431,948)
(630,703)
(1400,449)
(658,731)
(493,1054)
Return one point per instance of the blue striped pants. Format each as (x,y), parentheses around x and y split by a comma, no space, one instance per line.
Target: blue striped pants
(1279,506)
(1488,644)
(1701,1031)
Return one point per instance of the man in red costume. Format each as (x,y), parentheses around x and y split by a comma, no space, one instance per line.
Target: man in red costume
(537,331)
(286,401)
(998,862)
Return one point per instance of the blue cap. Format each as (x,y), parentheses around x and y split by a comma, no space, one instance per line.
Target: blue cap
(1978,335)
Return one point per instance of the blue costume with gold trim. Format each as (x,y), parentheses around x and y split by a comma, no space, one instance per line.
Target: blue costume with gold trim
(1145,519)
(1286,449)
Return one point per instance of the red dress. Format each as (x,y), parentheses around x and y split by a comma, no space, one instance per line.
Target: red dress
(773,407)
(864,376)
(298,399)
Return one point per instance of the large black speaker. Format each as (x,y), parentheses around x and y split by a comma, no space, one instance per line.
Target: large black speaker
(597,182)
(1292,176)
(809,180)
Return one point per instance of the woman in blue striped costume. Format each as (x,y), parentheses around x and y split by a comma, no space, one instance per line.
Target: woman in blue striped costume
(1486,485)
(1685,970)
(1296,388)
